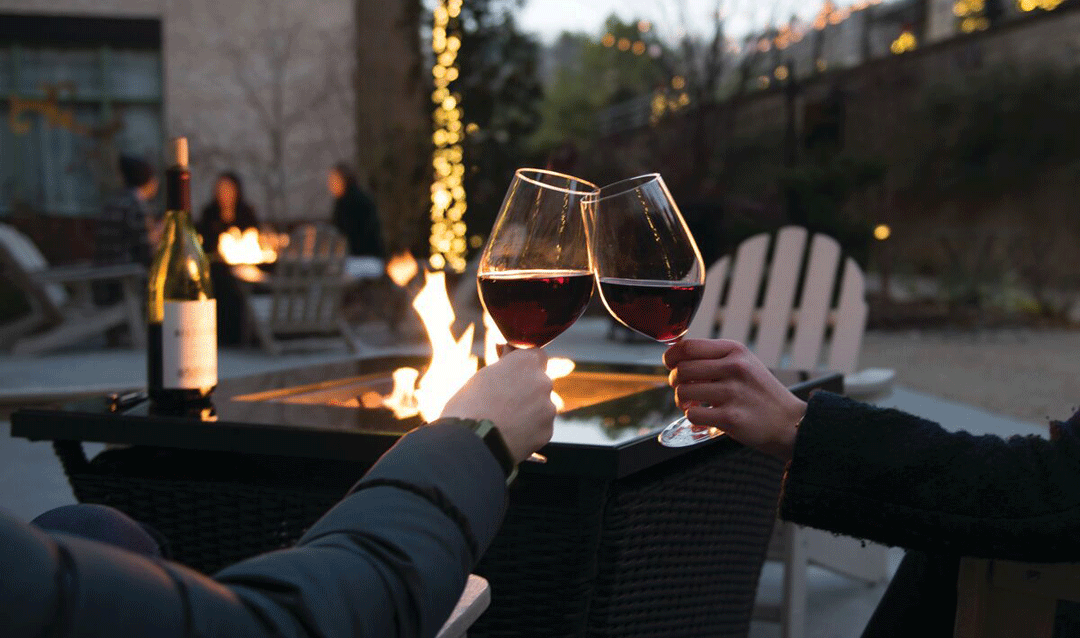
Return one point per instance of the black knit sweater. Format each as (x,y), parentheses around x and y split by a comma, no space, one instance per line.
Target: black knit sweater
(887,476)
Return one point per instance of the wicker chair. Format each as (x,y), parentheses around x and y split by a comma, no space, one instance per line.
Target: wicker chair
(674,550)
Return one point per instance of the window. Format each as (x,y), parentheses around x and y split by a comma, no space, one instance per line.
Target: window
(74,94)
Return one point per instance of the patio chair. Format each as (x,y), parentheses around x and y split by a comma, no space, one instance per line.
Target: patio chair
(830,318)
(299,306)
(1001,598)
(62,310)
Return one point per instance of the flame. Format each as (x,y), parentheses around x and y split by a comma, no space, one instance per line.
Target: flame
(402,268)
(452,362)
(236,247)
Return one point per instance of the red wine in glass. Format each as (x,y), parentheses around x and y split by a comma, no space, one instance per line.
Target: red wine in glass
(650,270)
(660,310)
(532,307)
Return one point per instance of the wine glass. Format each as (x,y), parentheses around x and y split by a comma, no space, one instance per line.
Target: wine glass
(534,275)
(649,270)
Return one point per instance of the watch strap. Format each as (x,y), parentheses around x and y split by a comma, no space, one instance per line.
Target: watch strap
(493,439)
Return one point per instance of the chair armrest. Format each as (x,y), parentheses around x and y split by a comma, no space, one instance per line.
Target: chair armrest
(473,602)
(74,274)
(868,383)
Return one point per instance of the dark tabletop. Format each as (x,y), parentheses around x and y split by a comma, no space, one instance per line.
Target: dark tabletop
(287,413)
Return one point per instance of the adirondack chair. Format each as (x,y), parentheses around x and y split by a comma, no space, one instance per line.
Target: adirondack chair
(299,306)
(62,311)
(820,327)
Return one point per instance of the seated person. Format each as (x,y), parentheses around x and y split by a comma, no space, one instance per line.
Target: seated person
(391,559)
(891,477)
(354,214)
(226,210)
(126,231)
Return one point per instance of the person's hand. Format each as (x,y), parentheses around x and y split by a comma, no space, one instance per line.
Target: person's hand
(720,383)
(515,394)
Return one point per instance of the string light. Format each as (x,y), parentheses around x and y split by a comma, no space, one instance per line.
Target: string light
(448,229)
(971,15)
(1045,5)
(668,102)
(903,43)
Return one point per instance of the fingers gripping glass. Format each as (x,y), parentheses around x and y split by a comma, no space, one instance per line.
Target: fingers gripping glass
(648,268)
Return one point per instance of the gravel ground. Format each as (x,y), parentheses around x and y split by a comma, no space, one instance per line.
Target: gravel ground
(1032,375)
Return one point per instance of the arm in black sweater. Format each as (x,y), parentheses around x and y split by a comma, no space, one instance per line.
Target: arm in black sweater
(890,477)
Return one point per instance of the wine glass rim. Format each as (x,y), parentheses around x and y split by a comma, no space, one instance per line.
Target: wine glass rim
(521,173)
(624,186)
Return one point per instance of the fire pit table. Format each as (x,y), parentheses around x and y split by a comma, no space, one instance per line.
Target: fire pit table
(615,535)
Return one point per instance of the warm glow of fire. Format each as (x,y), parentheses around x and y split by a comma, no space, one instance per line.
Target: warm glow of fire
(452,362)
(557,367)
(401,268)
(236,247)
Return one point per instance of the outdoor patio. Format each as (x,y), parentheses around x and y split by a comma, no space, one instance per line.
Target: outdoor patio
(233,239)
(965,366)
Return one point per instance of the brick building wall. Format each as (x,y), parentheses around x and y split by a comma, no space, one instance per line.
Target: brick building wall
(265,89)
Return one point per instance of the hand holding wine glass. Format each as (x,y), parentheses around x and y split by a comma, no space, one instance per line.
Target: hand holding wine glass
(649,269)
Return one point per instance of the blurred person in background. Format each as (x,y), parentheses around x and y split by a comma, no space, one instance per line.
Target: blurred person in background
(354,214)
(227,209)
(126,231)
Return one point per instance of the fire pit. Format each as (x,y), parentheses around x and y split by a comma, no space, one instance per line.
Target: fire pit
(614,535)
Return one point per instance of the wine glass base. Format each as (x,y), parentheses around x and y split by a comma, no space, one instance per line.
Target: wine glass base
(682,433)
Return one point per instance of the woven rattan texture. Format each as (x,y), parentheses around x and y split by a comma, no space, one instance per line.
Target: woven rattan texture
(673,551)
(210,522)
(682,550)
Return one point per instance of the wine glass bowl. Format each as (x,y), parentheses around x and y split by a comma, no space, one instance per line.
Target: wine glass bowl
(649,270)
(535,277)
(648,267)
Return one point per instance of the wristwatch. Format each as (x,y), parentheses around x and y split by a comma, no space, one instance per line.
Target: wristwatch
(492,438)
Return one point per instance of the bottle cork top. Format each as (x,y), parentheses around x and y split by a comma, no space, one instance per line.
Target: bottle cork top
(180,151)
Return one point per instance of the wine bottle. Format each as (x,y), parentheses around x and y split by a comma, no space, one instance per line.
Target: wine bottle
(181,309)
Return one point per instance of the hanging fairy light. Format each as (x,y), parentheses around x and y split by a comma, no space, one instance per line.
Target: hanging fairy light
(971,15)
(903,43)
(1031,5)
(448,230)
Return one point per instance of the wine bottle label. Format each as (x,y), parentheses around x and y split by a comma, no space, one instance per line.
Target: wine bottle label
(189,345)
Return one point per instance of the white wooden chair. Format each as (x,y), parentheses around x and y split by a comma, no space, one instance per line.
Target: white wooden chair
(759,309)
(474,601)
(299,306)
(62,310)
